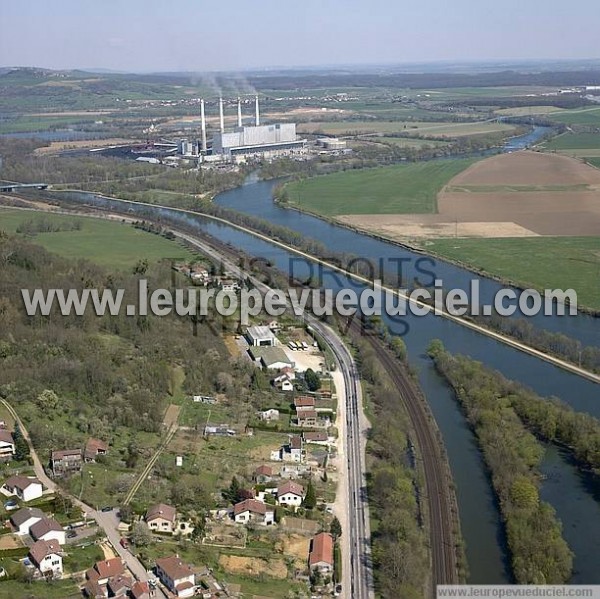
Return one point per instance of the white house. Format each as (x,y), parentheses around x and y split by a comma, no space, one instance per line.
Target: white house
(293,451)
(48,529)
(161,518)
(283,382)
(252,510)
(269,415)
(290,493)
(26,489)
(25,518)
(7,445)
(176,576)
(46,557)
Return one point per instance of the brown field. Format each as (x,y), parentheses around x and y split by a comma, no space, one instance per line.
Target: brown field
(296,546)
(522,194)
(252,566)
(59,146)
(10,542)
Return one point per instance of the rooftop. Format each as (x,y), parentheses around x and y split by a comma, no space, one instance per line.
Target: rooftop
(321,550)
(250,505)
(290,487)
(25,514)
(161,510)
(43,526)
(21,482)
(173,567)
(270,354)
(41,549)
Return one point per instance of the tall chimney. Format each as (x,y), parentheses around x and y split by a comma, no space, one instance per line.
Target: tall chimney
(239,112)
(203,120)
(257,112)
(221,117)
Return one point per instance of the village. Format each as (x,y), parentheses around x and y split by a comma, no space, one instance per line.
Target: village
(267,477)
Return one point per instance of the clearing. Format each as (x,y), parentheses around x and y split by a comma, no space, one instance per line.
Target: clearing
(252,566)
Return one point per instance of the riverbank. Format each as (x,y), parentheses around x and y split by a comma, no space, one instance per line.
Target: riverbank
(419,249)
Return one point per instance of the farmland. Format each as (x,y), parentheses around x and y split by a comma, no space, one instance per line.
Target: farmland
(405,189)
(581,116)
(560,262)
(107,243)
(413,128)
(574,141)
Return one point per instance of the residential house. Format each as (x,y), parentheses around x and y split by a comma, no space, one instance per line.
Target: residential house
(46,557)
(283,382)
(320,557)
(252,510)
(104,570)
(307,418)
(304,401)
(293,451)
(7,445)
(161,518)
(140,590)
(48,529)
(66,461)
(176,576)
(290,493)
(263,474)
(261,336)
(93,590)
(120,585)
(316,437)
(24,519)
(269,415)
(94,448)
(23,487)
(229,284)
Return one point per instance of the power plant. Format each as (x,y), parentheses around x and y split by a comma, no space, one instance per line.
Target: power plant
(248,141)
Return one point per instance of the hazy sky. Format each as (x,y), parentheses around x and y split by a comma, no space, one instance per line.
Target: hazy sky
(197,35)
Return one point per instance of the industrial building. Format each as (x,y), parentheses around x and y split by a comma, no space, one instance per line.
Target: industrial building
(248,141)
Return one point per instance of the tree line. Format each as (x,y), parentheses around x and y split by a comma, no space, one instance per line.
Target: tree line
(539,553)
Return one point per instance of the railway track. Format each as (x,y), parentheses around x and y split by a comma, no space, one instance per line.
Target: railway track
(442,541)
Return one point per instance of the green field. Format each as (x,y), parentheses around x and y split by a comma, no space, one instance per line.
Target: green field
(580,116)
(60,589)
(400,189)
(595,161)
(421,128)
(574,141)
(111,244)
(539,262)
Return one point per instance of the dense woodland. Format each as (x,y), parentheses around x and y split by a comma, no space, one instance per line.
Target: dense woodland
(72,377)
(539,554)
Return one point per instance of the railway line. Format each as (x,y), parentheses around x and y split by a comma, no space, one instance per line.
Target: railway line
(437,482)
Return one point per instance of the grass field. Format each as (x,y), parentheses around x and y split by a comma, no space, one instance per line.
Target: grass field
(580,116)
(400,189)
(539,262)
(528,110)
(574,141)
(594,161)
(422,128)
(111,244)
(61,589)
